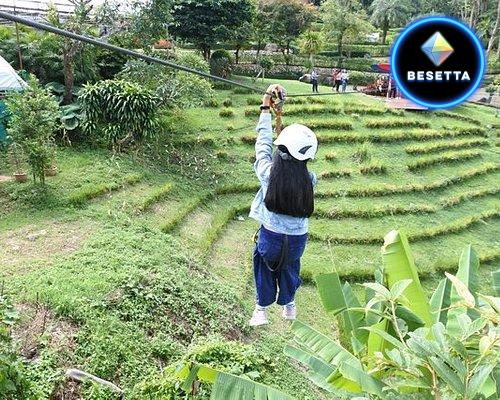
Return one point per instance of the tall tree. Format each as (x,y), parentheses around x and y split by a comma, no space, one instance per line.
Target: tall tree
(208,22)
(311,43)
(344,21)
(150,20)
(389,13)
(287,20)
(261,31)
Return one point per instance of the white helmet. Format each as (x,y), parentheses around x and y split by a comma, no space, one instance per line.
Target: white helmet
(299,140)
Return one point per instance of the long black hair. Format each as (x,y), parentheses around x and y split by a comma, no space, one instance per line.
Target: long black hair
(290,190)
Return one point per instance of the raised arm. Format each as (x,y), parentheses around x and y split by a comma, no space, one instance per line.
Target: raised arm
(264,143)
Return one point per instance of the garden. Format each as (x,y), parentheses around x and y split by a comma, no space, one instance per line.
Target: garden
(125,242)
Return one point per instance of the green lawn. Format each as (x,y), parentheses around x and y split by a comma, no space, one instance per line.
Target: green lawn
(138,255)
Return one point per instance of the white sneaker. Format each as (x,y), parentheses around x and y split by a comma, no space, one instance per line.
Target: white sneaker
(290,312)
(259,317)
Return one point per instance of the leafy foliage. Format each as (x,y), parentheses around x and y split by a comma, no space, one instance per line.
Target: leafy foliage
(405,349)
(33,122)
(118,113)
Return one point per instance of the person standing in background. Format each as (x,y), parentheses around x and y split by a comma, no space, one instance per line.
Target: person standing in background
(314,81)
(344,78)
(337,78)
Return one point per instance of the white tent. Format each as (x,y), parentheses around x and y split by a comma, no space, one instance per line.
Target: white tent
(9,79)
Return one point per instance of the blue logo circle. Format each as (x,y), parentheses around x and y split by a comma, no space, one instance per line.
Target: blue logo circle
(440,93)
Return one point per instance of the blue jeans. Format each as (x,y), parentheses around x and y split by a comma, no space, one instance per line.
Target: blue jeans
(277,285)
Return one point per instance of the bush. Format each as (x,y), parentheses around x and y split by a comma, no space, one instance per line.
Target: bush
(174,88)
(338,173)
(212,103)
(226,113)
(362,153)
(373,168)
(227,102)
(34,119)
(118,113)
(221,63)
(13,384)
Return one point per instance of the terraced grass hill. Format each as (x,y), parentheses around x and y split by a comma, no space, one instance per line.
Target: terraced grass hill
(101,247)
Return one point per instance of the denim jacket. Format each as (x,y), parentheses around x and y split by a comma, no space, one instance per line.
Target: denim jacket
(279,223)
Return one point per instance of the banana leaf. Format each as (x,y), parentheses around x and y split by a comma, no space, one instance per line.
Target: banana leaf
(339,300)
(440,301)
(321,345)
(231,387)
(398,265)
(468,274)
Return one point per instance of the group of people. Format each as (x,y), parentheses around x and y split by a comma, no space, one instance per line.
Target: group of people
(340,78)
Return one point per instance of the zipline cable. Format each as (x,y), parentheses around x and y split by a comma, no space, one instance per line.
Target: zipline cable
(100,43)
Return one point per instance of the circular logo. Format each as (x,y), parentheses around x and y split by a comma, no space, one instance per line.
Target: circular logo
(437,62)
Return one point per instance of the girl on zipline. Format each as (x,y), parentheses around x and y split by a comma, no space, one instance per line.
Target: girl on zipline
(282,206)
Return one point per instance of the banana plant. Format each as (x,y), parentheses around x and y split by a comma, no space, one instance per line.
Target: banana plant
(414,344)
(225,385)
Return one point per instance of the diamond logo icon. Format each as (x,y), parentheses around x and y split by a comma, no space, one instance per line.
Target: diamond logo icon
(437,49)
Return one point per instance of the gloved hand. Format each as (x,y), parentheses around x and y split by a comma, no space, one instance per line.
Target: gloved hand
(275,96)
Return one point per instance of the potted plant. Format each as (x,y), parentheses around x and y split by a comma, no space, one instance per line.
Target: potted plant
(51,168)
(16,156)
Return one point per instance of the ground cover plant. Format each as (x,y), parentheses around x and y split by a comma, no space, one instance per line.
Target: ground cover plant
(139,259)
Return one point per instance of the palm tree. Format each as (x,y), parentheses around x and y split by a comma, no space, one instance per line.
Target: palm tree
(389,13)
(311,44)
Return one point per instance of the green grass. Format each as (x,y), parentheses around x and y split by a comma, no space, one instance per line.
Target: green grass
(163,244)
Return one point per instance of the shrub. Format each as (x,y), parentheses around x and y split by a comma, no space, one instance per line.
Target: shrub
(362,153)
(328,124)
(373,168)
(13,382)
(332,156)
(118,113)
(212,103)
(450,157)
(34,119)
(174,88)
(221,63)
(253,101)
(226,113)
(227,102)
(222,155)
(338,173)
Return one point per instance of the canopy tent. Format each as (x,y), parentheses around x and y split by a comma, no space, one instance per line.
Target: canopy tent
(383,68)
(9,79)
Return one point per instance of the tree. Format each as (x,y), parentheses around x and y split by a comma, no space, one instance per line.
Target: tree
(389,13)
(150,20)
(287,20)
(261,30)
(241,38)
(344,21)
(208,22)
(79,22)
(311,43)
(495,31)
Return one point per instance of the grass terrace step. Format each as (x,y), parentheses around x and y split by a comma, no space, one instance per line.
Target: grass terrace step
(424,208)
(159,193)
(425,234)
(371,111)
(445,145)
(456,116)
(378,137)
(309,110)
(256,101)
(172,222)
(90,191)
(338,173)
(395,123)
(387,190)
(445,158)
